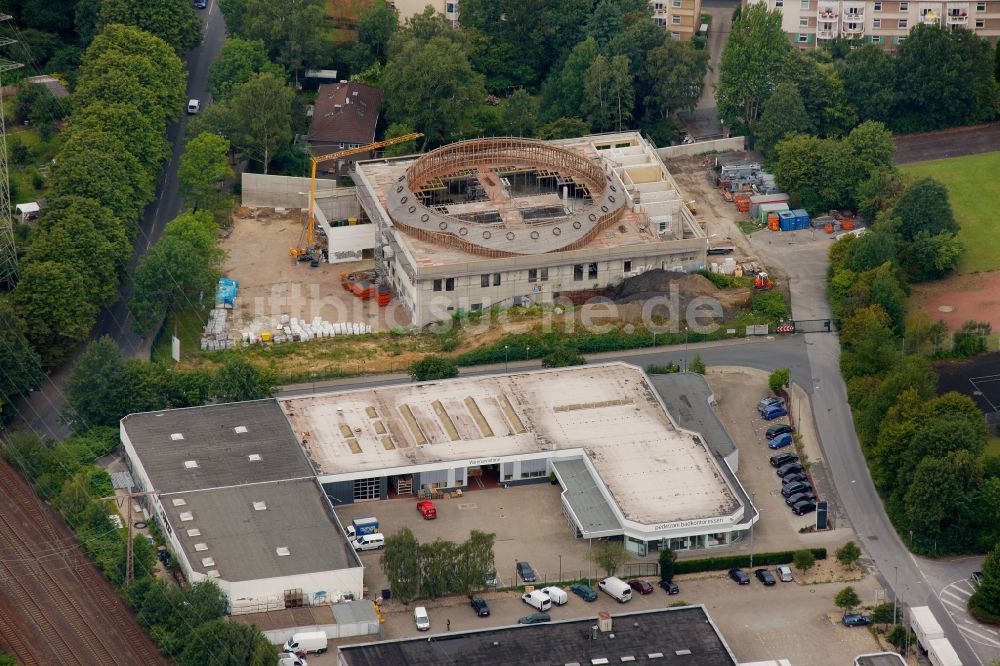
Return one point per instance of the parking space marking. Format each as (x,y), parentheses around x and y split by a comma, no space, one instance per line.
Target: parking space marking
(953,597)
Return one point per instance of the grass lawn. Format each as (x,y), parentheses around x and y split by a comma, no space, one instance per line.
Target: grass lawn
(993,446)
(971,182)
(190,323)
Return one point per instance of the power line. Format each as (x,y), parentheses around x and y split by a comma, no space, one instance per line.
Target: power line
(8,250)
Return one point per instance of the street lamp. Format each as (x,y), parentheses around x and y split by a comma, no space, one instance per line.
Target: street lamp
(685,348)
(506,359)
(895,592)
(527,351)
(753,501)
(560,567)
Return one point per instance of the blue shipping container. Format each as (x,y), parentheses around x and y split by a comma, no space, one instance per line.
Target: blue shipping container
(786,220)
(801,218)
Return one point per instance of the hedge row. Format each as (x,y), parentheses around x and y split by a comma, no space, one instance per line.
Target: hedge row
(737,561)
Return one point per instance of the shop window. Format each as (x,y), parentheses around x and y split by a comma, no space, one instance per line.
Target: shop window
(577,272)
(437,285)
(592,272)
(532,275)
(484,280)
(449,284)
(545,274)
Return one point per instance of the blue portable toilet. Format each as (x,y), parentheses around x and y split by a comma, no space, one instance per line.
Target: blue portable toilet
(786,220)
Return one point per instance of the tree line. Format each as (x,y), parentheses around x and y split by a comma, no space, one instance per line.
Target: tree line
(438,568)
(925,452)
(937,78)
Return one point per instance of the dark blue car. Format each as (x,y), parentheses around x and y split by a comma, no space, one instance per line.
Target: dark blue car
(772,412)
(781,441)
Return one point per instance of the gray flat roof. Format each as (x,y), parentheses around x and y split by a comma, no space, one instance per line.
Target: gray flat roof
(241,538)
(585,499)
(211,440)
(639,635)
(686,396)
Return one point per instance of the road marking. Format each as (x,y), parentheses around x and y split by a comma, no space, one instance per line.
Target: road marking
(983,638)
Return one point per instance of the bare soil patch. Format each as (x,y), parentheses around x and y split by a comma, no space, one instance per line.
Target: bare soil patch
(961,298)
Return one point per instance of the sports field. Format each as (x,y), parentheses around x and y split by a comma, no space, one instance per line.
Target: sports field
(974,187)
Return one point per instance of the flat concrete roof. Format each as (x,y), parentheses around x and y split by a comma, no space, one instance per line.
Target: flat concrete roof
(241,528)
(655,472)
(588,504)
(219,440)
(683,636)
(686,396)
(344,612)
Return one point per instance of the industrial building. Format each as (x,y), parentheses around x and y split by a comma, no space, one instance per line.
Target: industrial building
(238,503)
(684,635)
(627,469)
(812,23)
(502,222)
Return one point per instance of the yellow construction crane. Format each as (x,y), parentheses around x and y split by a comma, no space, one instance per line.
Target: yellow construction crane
(306,237)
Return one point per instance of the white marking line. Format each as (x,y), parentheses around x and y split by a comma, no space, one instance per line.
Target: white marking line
(983,638)
(957,593)
(953,618)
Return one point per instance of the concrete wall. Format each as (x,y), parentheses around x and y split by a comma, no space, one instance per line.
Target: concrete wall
(265,191)
(333,631)
(349,243)
(335,583)
(699,147)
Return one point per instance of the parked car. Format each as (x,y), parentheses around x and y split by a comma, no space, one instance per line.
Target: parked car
(776,430)
(804,507)
(291,659)
(768,401)
(584,591)
(641,586)
(526,573)
(774,412)
(534,618)
(790,489)
(789,468)
(427,509)
(856,620)
(781,441)
(422,620)
(194,106)
(798,497)
(740,576)
(200,4)
(480,606)
(779,459)
(976,577)
(670,587)
(764,576)
(785,573)
(795,477)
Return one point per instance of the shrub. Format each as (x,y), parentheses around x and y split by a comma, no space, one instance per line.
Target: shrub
(433,367)
(769,304)
(668,369)
(698,365)
(724,562)
(848,554)
(727,281)
(804,559)
(563,357)
(778,380)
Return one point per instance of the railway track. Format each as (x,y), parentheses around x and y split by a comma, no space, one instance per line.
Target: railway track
(90,641)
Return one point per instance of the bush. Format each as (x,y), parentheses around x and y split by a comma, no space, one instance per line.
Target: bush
(725,562)
(668,563)
(563,357)
(848,554)
(698,364)
(769,304)
(723,281)
(778,380)
(433,367)
(804,559)
(970,340)
(668,369)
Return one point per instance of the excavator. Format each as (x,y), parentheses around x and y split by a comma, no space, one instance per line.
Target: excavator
(762,282)
(304,249)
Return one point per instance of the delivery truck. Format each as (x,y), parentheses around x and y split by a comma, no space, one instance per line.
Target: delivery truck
(925,625)
(362,526)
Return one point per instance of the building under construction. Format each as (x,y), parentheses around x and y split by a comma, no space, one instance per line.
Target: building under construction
(507,221)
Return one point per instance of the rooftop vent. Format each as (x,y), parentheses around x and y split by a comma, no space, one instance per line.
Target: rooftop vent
(655,655)
(254,457)
(628,658)
(193,532)
(239,430)
(178,501)
(186,516)
(599,660)
(282,551)
(207,562)
(201,546)
(176,436)
(212,573)
(260,506)
(190,464)
(683,652)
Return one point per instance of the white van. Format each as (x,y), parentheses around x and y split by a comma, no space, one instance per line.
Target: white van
(369,541)
(617,588)
(194,106)
(537,600)
(306,641)
(290,659)
(422,620)
(556,594)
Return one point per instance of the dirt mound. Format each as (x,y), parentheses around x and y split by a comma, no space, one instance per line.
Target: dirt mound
(679,290)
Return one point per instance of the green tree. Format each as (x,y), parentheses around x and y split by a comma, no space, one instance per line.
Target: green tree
(376,26)
(519,114)
(608,95)
(637,41)
(783,114)
(899,637)
(562,93)
(99,388)
(870,251)
(749,66)
(674,77)
(970,338)
(259,116)
(869,78)
(848,555)
(432,86)
(129,127)
(203,168)
(879,191)
(698,365)
(804,560)
(22,367)
(778,380)
(51,302)
(437,564)
(667,561)
(473,560)
(941,505)
(563,128)
(239,61)
(400,562)
(847,599)
(407,147)
(562,357)
(911,372)
(173,21)
(872,146)
(924,206)
(930,256)
(610,556)
(292,31)
(869,348)
(822,93)
(35,103)
(238,380)
(244,644)
(433,367)
(985,600)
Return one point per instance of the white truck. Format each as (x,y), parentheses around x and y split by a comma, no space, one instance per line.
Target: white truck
(618,589)
(925,625)
(306,641)
(941,653)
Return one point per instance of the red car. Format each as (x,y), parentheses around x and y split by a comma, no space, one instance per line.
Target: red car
(641,586)
(427,510)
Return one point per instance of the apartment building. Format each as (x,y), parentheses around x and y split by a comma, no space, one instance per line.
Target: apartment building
(408,8)
(681,18)
(810,23)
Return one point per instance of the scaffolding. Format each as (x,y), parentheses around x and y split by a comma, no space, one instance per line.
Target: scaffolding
(8,250)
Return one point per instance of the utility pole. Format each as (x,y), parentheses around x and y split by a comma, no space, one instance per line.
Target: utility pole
(8,251)
(895,593)
(129,565)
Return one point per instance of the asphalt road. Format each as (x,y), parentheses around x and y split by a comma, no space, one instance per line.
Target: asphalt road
(42,410)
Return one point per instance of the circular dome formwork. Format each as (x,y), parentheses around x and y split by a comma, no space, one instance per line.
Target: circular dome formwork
(501,239)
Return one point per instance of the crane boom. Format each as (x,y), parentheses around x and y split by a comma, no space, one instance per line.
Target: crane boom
(306,237)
